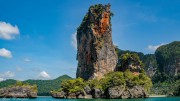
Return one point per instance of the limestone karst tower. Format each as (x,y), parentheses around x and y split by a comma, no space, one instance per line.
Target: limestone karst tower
(96,54)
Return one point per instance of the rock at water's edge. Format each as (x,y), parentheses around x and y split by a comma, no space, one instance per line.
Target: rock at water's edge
(121,92)
(18,92)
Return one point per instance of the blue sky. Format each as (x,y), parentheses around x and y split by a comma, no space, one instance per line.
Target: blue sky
(37,36)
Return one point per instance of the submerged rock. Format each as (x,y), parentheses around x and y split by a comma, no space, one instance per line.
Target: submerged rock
(18,92)
(96,53)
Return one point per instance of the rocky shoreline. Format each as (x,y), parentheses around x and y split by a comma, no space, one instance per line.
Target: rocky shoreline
(117,92)
(18,92)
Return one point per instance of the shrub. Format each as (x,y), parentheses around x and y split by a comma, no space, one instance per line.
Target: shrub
(72,86)
(125,79)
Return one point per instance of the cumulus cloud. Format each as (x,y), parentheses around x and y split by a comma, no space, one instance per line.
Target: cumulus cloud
(6,75)
(154,47)
(74,40)
(5,53)
(27,60)
(44,75)
(1,79)
(8,31)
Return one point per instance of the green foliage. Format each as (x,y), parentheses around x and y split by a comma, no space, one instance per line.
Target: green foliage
(126,79)
(43,86)
(125,58)
(14,83)
(112,79)
(72,86)
(129,61)
(177,88)
(34,87)
(19,83)
(148,60)
(94,83)
(167,54)
(166,88)
(7,83)
(145,81)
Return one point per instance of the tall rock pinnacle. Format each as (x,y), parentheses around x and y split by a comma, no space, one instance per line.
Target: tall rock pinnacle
(96,54)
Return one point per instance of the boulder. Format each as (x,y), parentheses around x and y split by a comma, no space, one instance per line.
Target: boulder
(138,92)
(60,95)
(87,90)
(125,94)
(115,92)
(121,92)
(71,96)
(97,93)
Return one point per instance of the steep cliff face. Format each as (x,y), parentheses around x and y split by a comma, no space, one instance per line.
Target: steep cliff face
(96,54)
(168,58)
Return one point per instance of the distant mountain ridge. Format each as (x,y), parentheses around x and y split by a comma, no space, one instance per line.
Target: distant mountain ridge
(44,86)
(166,59)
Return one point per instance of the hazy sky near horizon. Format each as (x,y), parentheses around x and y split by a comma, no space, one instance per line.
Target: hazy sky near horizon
(37,37)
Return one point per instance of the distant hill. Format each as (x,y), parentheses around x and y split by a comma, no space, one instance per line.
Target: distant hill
(44,86)
(168,58)
(165,61)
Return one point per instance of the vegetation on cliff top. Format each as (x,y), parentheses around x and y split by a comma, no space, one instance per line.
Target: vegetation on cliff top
(96,11)
(126,79)
(21,84)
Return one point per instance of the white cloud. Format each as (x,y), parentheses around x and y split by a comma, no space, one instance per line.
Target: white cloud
(74,40)
(5,53)
(1,79)
(27,60)
(19,69)
(7,31)
(44,75)
(9,74)
(6,75)
(154,47)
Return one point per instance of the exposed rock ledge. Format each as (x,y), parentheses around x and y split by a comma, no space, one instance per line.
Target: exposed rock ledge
(111,93)
(18,92)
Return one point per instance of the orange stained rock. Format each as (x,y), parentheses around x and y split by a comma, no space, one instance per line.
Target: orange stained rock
(135,73)
(104,23)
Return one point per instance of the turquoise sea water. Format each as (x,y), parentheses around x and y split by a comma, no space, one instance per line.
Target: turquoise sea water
(52,99)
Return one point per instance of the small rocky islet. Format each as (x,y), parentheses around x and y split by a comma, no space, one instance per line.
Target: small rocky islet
(19,90)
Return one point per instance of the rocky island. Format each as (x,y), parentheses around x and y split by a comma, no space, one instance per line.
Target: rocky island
(99,72)
(19,90)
